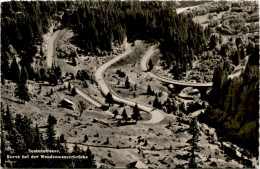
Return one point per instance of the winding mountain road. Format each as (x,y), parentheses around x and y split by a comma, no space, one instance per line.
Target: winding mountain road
(146,58)
(144,66)
(157,115)
(51,47)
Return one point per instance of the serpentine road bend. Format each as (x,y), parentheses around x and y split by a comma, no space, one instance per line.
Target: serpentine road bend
(144,65)
(50,51)
(157,115)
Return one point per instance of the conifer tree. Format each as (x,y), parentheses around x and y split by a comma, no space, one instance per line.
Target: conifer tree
(24,75)
(5,69)
(69,86)
(85,138)
(51,140)
(193,142)
(73,92)
(136,113)
(22,92)
(124,115)
(149,90)
(115,112)
(219,77)
(18,143)
(72,76)
(90,163)
(192,163)
(57,71)
(60,147)
(52,120)
(127,84)
(109,98)
(15,71)
(15,139)
(76,149)
(38,140)
(156,102)
(8,119)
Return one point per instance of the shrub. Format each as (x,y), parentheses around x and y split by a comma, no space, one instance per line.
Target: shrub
(120,73)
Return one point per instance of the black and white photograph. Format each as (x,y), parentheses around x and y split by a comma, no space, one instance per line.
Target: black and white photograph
(129,84)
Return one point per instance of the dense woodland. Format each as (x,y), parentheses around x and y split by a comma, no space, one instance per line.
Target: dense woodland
(22,27)
(19,135)
(234,108)
(99,26)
